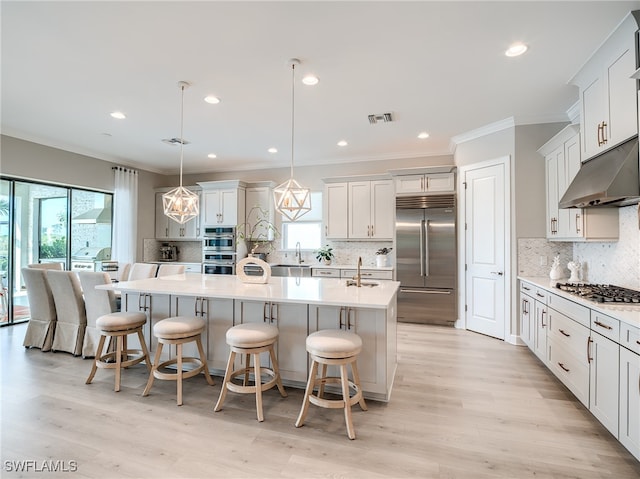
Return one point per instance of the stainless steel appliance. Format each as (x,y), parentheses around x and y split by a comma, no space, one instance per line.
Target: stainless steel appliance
(89,258)
(426,259)
(168,252)
(219,250)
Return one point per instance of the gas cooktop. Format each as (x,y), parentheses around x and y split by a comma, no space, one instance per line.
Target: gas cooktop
(601,293)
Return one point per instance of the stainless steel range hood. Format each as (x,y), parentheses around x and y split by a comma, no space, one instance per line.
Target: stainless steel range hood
(609,179)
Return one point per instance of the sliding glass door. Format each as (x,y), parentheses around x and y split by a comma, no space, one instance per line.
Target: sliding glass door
(42,223)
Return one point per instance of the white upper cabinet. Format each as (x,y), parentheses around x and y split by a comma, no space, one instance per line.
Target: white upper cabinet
(260,211)
(361,209)
(166,228)
(608,94)
(562,162)
(426,183)
(223,203)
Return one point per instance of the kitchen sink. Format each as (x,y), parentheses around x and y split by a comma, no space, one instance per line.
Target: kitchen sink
(291,270)
(368,284)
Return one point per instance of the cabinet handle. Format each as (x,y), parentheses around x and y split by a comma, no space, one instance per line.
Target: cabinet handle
(426,183)
(274,308)
(326,230)
(166,232)
(602,325)
(562,366)
(526,288)
(265,313)
(340,315)
(564,334)
(422,183)
(525,304)
(544,313)
(577,224)
(539,295)
(589,358)
(372,231)
(350,313)
(600,134)
(604,132)
(638,341)
(195,307)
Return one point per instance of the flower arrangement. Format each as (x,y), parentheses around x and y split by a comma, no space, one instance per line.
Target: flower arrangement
(325,254)
(259,232)
(384,251)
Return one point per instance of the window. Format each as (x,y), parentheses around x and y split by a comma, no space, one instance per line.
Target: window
(307,230)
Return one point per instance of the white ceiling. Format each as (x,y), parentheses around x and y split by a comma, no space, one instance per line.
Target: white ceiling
(436,66)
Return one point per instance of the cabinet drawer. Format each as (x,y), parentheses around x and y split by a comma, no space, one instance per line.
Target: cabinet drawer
(367,273)
(571,370)
(325,272)
(606,326)
(630,337)
(569,334)
(541,295)
(573,310)
(527,288)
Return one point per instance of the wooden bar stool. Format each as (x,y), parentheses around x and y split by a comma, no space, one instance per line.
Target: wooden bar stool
(178,330)
(333,348)
(119,326)
(251,340)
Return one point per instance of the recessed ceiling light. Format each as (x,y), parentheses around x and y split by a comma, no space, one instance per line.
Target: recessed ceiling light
(310,80)
(342,143)
(212,156)
(423,135)
(214,100)
(272,150)
(118,115)
(516,49)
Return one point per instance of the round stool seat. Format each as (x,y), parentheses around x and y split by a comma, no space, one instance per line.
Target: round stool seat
(334,343)
(120,321)
(250,335)
(178,327)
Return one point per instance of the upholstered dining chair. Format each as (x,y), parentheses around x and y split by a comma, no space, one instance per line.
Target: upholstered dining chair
(167,269)
(96,304)
(48,266)
(142,271)
(123,271)
(70,310)
(42,310)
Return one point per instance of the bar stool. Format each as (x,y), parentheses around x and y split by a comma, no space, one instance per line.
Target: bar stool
(119,325)
(251,340)
(334,348)
(178,330)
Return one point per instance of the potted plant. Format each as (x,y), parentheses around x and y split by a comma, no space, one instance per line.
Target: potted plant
(381,256)
(260,233)
(325,254)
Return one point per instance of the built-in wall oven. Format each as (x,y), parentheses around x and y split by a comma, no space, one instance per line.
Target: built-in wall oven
(218,250)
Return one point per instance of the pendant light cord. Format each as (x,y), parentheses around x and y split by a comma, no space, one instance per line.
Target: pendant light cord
(293,107)
(181,131)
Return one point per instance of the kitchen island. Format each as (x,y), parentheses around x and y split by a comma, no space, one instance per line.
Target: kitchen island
(297,306)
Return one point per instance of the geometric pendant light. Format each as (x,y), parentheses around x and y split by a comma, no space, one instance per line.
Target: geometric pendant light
(181,204)
(291,199)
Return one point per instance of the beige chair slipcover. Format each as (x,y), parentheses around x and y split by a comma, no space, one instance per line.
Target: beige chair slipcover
(123,271)
(54,266)
(142,271)
(167,269)
(42,308)
(97,303)
(70,310)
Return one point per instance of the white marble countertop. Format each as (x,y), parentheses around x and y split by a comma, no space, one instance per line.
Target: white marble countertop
(627,313)
(349,266)
(325,291)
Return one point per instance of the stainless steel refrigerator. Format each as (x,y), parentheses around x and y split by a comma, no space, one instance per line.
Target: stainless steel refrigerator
(426,259)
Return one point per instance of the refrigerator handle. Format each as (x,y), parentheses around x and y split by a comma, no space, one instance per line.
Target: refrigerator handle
(422,247)
(426,248)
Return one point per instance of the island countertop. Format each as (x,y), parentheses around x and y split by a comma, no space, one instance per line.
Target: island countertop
(325,291)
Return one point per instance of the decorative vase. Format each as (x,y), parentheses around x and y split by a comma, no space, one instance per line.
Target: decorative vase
(381,260)
(241,249)
(556,272)
(326,261)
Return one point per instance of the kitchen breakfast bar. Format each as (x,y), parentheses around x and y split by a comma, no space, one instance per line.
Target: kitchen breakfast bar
(297,306)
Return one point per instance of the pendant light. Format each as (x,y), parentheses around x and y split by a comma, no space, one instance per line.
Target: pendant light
(291,199)
(181,204)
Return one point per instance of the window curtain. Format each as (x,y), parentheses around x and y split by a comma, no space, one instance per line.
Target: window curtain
(125,215)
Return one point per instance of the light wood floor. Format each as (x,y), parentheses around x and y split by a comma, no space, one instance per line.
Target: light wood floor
(463,406)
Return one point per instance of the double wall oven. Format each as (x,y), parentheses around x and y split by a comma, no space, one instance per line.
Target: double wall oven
(219,250)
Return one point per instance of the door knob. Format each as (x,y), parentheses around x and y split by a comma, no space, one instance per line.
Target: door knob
(499,273)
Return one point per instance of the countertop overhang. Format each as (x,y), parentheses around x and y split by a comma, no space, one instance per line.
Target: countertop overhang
(626,312)
(320,291)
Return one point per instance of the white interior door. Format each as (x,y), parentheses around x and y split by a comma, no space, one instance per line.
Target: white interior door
(485,252)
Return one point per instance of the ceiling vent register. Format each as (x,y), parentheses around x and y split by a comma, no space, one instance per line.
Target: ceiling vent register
(384,117)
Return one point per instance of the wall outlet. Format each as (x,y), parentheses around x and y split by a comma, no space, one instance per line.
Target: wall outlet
(543,261)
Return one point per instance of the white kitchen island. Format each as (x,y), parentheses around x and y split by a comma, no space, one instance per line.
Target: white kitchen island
(297,306)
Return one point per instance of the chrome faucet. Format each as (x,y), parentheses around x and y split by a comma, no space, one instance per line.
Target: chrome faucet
(358,277)
(299,253)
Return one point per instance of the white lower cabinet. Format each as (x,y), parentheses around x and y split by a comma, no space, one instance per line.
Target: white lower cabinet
(540,327)
(156,307)
(370,325)
(218,314)
(629,420)
(291,320)
(604,377)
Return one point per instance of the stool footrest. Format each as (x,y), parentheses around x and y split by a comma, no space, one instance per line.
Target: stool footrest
(185,374)
(334,403)
(108,361)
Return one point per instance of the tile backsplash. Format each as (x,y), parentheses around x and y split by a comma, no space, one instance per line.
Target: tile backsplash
(602,262)
(346,253)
